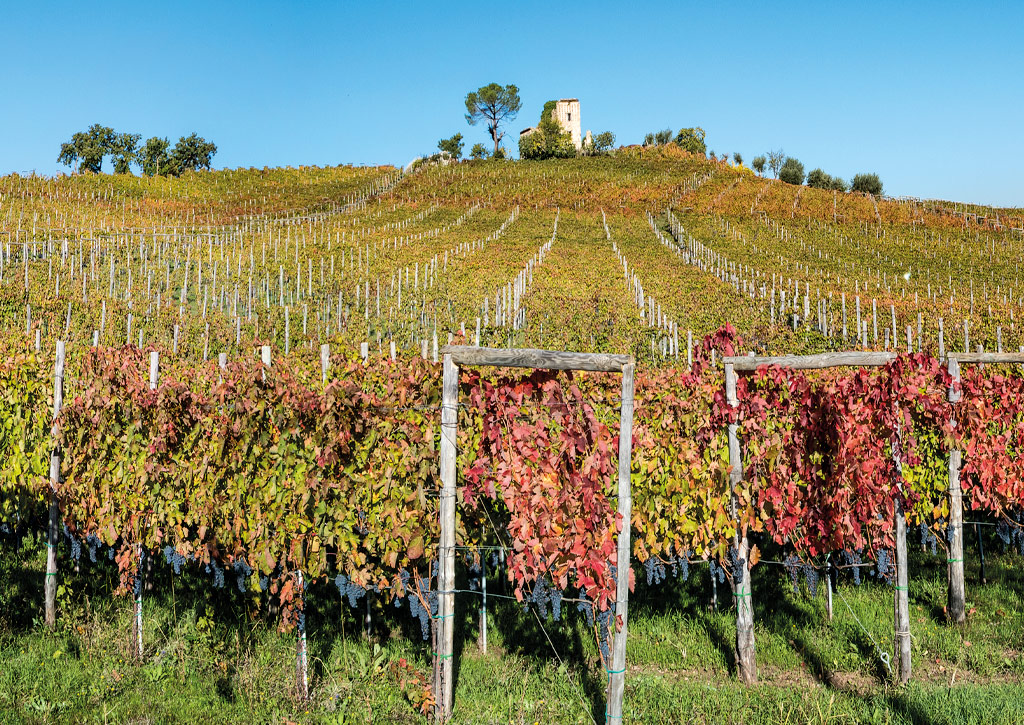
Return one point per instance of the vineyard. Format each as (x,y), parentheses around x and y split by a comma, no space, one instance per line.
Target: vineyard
(307,445)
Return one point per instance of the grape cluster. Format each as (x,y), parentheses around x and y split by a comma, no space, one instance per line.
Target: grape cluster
(737,565)
(347,588)
(73,543)
(242,572)
(94,543)
(792,565)
(361,527)
(605,622)
(681,565)
(424,615)
(543,595)
(474,570)
(811,576)
(218,574)
(853,560)
(927,537)
(264,582)
(173,558)
(716,571)
(404,576)
(301,620)
(586,608)
(655,570)
(884,567)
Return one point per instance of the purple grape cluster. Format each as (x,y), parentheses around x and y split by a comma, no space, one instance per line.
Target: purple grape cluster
(173,558)
(544,595)
(218,574)
(737,565)
(792,565)
(242,572)
(853,559)
(349,589)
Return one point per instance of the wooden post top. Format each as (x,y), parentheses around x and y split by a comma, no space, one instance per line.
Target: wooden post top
(746,363)
(543,359)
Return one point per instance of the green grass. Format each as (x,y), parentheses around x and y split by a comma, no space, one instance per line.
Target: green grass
(215,656)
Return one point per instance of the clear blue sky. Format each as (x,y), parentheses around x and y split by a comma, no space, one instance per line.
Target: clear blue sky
(928,95)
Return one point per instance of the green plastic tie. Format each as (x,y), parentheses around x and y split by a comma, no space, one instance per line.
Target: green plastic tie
(442,657)
(901,589)
(950,561)
(615,672)
(744,594)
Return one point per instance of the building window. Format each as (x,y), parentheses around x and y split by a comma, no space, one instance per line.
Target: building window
(570,116)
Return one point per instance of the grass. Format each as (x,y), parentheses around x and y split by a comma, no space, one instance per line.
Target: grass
(215,656)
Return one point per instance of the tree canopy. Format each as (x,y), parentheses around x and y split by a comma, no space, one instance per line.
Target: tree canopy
(192,153)
(867,183)
(87,148)
(494,105)
(692,140)
(818,179)
(792,171)
(452,146)
(155,158)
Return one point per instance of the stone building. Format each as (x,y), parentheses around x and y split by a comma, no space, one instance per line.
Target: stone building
(567,113)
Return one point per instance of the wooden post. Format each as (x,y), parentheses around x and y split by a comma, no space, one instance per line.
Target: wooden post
(53,527)
(955,602)
(828,590)
(617,671)
(325,360)
(446,570)
(746,652)
(902,598)
(301,654)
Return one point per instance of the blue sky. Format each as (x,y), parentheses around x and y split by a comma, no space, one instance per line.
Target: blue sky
(928,95)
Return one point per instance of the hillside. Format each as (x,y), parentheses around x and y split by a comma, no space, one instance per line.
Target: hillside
(651,245)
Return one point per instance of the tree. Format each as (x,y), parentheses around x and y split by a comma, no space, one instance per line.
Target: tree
(663,136)
(818,179)
(453,146)
(867,183)
(124,149)
(499,154)
(775,159)
(692,140)
(478,151)
(792,171)
(154,157)
(604,141)
(87,148)
(758,164)
(737,158)
(192,153)
(494,105)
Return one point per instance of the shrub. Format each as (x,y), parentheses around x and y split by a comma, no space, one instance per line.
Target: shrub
(867,183)
(792,171)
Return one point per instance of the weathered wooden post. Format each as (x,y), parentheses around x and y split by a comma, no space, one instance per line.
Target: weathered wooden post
(53,527)
(446,570)
(955,603)
(617,671)
(902,594)
(746,653)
